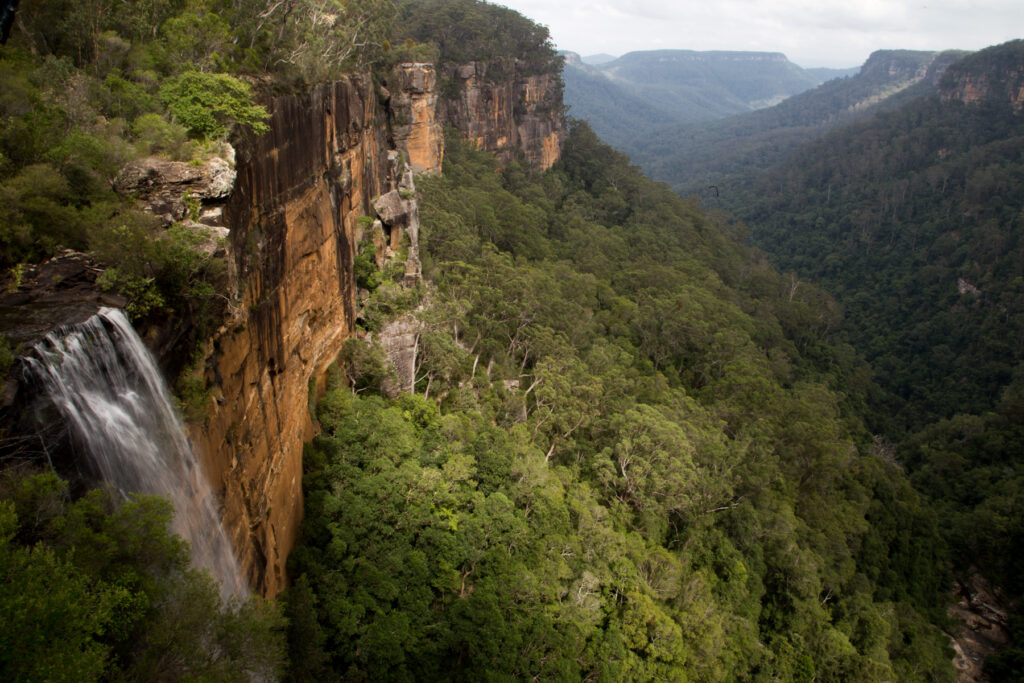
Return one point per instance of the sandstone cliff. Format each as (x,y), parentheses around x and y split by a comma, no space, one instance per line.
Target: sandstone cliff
(971,86)
(521,112)
(287,211)
(293,217)
(413,103)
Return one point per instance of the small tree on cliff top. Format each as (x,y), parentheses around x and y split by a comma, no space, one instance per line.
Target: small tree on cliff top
(207,104)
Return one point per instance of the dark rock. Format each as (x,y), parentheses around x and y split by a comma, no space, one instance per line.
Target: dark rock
(60,291)
(166,187)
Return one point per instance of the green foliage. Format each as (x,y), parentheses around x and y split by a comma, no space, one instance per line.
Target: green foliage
(897,235)
(153,134)
(192,391)
(911,219)
(627,458)
(388,301)
(365,365)
(207,104)
(154,268)
(364,268)
(96,590)
(474,30)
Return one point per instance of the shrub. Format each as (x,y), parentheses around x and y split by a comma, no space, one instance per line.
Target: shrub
(207,104)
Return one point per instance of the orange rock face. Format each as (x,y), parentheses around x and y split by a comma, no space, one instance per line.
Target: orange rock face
(972,87)
(505,112)
(293,219)
(293,212)
(414,105)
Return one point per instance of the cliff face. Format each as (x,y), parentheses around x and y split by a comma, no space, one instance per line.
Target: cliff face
(416,130)
(995,73)
(970,87)
(292,215)
(522,112)
(293,219)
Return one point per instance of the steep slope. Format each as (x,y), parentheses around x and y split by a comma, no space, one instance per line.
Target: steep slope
(626,456)
(913,220)
(618,113)
(914,209)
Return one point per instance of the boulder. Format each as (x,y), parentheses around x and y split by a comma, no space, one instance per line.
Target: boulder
(168,188)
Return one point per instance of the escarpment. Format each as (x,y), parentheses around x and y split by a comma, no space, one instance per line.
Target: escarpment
(292,215)
(330,157)
(286,211)
(507,114)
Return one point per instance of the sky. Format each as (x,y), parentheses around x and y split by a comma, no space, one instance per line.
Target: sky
(832,33)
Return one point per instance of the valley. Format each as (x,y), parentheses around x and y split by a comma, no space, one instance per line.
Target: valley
(469,395)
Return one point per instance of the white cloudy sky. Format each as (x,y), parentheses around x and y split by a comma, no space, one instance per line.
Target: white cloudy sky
(835,33)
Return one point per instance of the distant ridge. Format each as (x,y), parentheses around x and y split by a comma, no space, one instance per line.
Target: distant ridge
(598,59)
(691,156)
(630,96)
(824,74)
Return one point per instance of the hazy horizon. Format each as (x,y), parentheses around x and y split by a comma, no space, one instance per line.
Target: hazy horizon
(811,34)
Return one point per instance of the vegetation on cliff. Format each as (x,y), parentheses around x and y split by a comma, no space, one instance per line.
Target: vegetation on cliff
(89,87)
(464,31)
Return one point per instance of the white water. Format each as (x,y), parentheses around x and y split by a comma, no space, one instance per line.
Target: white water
(108,388)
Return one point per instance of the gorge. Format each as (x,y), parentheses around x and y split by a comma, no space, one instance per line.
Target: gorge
(475,399)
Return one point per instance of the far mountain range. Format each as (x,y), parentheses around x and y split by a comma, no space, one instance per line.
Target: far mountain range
(693,118)
(662,87)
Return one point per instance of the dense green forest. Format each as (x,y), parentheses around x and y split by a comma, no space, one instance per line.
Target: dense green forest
(630,456)
(913,221)
(635,451)
(97,589)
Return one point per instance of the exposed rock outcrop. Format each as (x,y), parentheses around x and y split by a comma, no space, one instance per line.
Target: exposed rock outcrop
(971,88)
(415,127)
(399,216)
(293,215)
(399,339)
(508,114)
(60,291)
(175,190)
(990,74)
(985,627)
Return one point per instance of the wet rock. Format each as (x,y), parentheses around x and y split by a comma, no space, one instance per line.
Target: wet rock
(980,609)
(59,291)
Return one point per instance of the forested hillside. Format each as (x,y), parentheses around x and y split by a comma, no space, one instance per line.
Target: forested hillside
(629,100)
(620,115)
(630,455)
(723,153)
(913,221)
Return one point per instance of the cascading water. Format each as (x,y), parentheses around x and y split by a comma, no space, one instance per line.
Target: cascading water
(107,386)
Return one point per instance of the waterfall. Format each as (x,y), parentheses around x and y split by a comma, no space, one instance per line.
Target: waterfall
(114,400)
